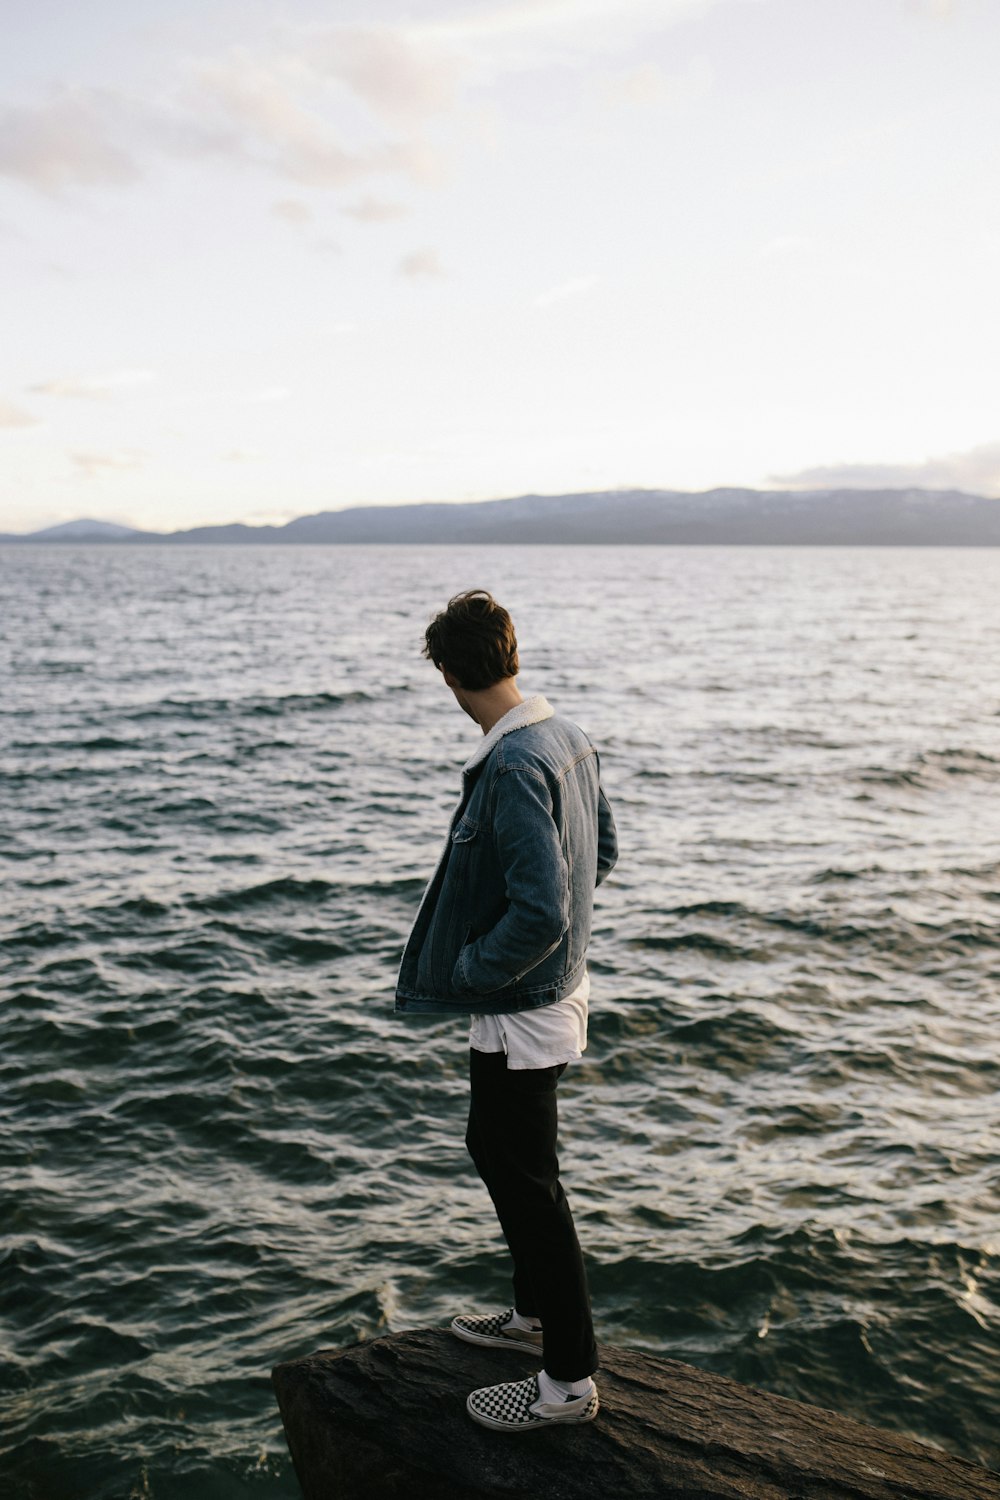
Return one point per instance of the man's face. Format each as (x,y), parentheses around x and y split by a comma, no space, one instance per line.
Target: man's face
(459,692)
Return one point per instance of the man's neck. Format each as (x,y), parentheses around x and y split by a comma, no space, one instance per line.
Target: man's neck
(489,706)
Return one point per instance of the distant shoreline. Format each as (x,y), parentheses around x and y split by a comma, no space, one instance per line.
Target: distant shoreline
(720,517)
(494,542)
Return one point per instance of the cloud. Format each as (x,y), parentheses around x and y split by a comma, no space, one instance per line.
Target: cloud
(374,210)
(70,139)
(421,263)
(242,456)
(650,85)
(976,470)
(274,128)
(13,416)
(292,210)
(279,113)
(934,10)
(92,464)
(81,389)
(294,110)
(578,286)
(400,73)
(94,388)
(517,17)
(276,120)
(74,137)
(525,35)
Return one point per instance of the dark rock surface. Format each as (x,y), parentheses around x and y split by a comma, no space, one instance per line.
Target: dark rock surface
(386,1420)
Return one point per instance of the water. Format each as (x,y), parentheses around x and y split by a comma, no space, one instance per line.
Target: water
(226,775)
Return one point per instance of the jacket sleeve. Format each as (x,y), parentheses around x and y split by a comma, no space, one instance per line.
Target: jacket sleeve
(537,888)
(607,837)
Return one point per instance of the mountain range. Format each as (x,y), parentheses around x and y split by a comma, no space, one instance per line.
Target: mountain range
(887,517)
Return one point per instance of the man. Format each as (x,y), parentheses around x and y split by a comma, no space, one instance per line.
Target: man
(501,934)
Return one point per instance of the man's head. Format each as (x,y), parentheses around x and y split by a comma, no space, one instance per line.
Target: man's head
(473,641)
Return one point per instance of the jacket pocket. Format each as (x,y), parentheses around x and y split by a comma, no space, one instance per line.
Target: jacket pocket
(457,975)
(464,831)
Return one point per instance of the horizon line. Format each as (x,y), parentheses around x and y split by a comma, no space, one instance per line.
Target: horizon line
(527,494)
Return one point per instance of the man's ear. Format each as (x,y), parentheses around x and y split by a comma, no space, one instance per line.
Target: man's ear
(450,679)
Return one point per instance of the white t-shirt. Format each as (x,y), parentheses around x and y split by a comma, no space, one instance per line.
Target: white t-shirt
(537,1038)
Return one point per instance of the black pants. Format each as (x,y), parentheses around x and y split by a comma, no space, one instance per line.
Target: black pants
(512,1140)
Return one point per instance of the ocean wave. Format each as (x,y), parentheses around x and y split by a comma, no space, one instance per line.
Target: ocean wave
(706,942)
(929,770)
(256,704)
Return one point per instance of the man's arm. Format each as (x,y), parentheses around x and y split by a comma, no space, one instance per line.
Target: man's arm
(607,837)
(537,887)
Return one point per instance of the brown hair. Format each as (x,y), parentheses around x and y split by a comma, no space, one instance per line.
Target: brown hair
(474,639)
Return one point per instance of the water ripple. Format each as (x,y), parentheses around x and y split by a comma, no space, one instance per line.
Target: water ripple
(223,1150)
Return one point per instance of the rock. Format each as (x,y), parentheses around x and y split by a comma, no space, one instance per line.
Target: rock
(386,1420)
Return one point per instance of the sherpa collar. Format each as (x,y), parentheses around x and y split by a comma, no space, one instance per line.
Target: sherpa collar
(532,711)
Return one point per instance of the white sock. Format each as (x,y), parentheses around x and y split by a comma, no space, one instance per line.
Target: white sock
(550,1389)
(525,1325)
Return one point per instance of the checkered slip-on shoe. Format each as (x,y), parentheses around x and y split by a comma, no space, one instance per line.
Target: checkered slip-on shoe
(491,1330)
(518,1407)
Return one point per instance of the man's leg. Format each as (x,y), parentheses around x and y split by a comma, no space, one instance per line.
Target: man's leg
(512,1140)
(476,1143)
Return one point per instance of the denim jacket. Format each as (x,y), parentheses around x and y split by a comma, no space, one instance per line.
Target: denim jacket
(505,920)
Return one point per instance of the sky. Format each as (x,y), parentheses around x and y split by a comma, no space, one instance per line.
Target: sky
(263,259)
